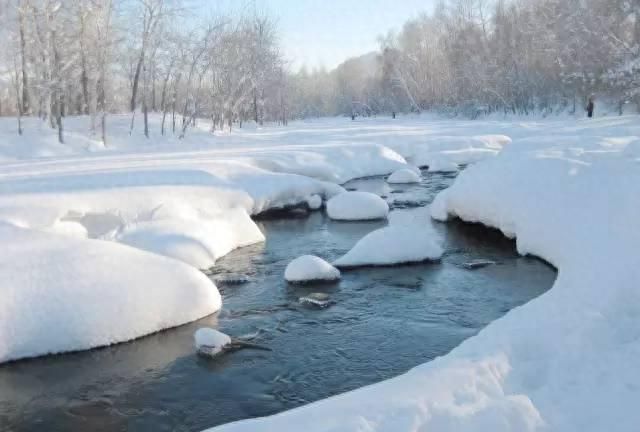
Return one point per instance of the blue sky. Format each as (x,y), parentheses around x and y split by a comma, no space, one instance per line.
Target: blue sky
(327,32)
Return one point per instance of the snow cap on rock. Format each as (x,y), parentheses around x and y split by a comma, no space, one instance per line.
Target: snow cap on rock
(404,175)
(209,341)
(350,206)
(309,268)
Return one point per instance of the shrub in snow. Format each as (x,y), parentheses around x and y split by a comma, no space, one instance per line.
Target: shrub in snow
(357,206)
(314,202)
(210,342)
(404,176)
(309,268)
(392,245)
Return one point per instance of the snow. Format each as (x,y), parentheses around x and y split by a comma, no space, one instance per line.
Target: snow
(61,293)
(310,268)
(351,206)
(442,165)
(314,202)
(210,342)
(195,239)
(392,245)
(97,240)
(447,151)
(404,175)
(568,191)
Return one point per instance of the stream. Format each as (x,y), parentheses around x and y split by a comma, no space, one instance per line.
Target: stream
(383,321)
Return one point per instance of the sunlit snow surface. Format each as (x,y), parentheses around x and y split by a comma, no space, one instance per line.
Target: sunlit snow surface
(95,243)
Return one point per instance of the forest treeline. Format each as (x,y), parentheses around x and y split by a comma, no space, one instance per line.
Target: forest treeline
(473,57)
(468,57)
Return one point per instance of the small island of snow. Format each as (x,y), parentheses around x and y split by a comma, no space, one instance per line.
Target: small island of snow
(351,206)
(393,245)
(314,202)
(210,342)
(404,175)
(309,268)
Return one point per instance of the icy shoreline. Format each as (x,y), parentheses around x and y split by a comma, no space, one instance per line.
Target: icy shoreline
(565,361)
(567,191)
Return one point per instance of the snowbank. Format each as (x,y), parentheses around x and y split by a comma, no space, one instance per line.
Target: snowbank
(566,361)
(61,293)
(394,244)
(404,175)
(442,165)
(309,268)
(446,151)
(198,240)
(350,206)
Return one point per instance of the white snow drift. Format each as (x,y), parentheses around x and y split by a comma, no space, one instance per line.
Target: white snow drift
(568,190)
(61,293)
(566,361)
(441,164)
(197,240)
(309,268)
(404,175)
(352,206)
(394,244)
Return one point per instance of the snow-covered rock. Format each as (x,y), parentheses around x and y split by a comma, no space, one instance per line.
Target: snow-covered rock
(61,293)
(351,206)
(317,300)
(210,342)
(395,244)
(404,175)
(309,268)
(314,202)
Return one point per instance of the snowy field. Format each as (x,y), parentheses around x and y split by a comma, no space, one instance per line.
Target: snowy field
(104,245)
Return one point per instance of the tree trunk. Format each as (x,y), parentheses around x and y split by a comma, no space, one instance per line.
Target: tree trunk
(153,90)
(255,106)
(173,117)
(59,120)
(24,106)
(102,107)
(146,118)
(85,85)
(136,79)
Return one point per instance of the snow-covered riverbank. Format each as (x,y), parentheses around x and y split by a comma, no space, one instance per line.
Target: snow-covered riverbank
(189,200)
(564,362)
(566,189)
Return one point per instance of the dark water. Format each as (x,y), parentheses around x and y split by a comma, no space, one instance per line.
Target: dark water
(384,321)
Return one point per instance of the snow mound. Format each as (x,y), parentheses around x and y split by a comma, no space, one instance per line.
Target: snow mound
(309,268)
(404,175)
(210,342)
(314,202)
(393,245)
(442,165)
(197,239)
(61,293)
(350,206)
